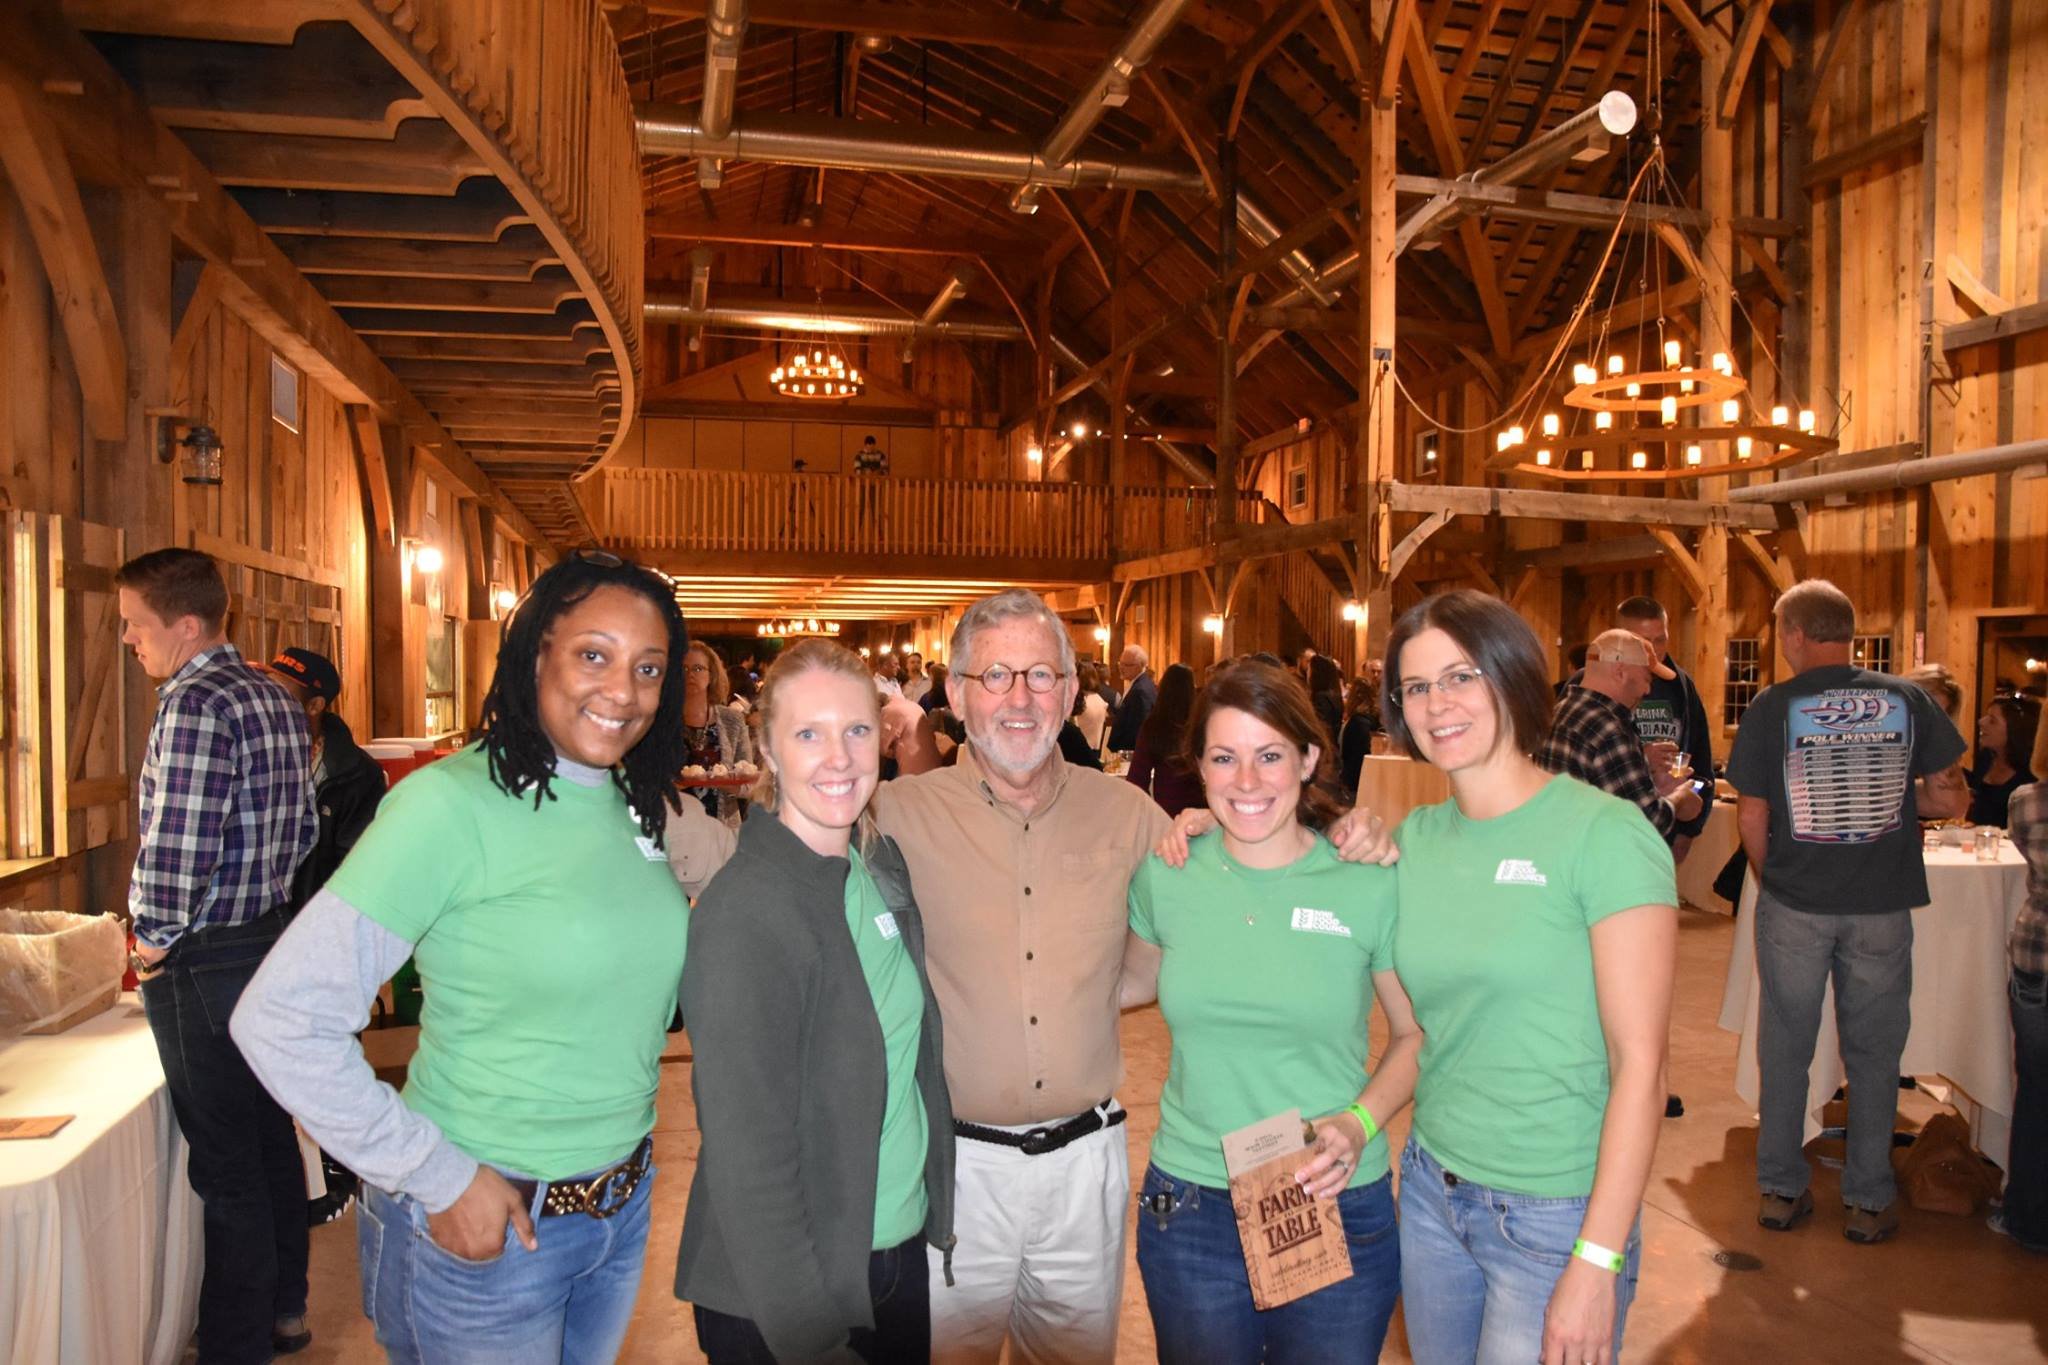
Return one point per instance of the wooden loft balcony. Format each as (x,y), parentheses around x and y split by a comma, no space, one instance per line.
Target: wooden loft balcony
(456,179)
(702,521)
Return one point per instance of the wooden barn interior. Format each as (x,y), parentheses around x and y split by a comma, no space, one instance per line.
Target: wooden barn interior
(1227,325)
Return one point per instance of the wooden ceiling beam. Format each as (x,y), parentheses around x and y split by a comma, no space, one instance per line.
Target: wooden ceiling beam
(1544,504)
(275,22)
(503,350)
(328,83)
(570,323)
(425,156)
(513,257)
(680,228)
(543,295)
(479,211)
(934,23)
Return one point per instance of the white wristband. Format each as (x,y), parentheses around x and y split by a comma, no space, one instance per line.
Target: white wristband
(1610,1261)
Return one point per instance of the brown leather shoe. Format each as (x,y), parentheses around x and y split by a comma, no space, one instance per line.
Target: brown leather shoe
(1780,1214)
(1866,1226)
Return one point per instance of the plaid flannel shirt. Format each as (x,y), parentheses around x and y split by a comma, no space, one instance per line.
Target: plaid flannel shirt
(1593,738)
(2027,818)
(226,800)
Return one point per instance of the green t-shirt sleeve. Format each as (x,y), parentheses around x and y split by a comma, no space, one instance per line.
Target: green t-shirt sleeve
(1140,901)
(418,857)
(1381,903)
(1623,863)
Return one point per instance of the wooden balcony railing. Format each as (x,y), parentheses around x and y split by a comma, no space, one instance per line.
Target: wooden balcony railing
(653,510)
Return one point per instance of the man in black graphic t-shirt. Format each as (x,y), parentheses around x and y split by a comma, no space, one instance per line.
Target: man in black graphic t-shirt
(1835,768)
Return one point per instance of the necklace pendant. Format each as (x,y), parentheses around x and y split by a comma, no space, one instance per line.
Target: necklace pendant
(1249,920)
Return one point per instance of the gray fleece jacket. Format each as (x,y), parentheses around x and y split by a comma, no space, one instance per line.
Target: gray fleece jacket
(791,1079)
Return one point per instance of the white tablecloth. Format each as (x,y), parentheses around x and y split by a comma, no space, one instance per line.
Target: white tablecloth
(1711,849)
(1961,1030)
(1391,785)
(99,1229)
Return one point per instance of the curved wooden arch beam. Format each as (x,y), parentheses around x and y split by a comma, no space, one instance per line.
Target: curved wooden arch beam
(32,154)
(1777,570)
(454,89)
(1690,574)
(1414,540)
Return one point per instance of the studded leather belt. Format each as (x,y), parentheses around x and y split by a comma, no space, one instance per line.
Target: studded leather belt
(600,1195)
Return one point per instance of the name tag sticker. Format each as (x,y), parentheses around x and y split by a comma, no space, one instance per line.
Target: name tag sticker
(648,850)
(886,922)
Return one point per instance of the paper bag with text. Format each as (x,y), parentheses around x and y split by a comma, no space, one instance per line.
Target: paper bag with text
(1293,1244)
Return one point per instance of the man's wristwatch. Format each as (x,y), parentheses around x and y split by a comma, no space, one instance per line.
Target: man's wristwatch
(140,965)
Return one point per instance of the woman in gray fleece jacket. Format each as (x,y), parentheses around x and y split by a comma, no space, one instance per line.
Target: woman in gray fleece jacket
(827,1158)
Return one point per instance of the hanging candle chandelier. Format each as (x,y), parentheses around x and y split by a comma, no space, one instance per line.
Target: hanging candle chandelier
(817,372)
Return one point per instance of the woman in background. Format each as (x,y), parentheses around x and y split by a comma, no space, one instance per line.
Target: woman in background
(713,732)
(1157,764)
(1326,692)
(1091,711)
(2005,745)
(1361,723)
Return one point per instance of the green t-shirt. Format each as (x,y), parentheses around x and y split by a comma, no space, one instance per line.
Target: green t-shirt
(899,1006)
(550,946)
(1493,946)
(1265,982)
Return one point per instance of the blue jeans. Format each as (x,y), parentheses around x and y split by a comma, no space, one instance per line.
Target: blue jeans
(244,1163)
(1201,1301)
(1870,959)
(565,1304)
(1478,1266)
(2026,1181)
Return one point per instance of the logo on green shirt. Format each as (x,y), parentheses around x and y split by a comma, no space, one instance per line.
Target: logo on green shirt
(1518,872)
(1319,922)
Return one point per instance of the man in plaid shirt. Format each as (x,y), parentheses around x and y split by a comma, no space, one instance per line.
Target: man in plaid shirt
(226,806)
(1593,732)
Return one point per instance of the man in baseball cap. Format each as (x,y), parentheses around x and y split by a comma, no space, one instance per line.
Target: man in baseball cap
(1593,732)
(347,782)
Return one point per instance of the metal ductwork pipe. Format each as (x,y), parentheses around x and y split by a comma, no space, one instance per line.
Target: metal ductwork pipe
(1258,225)
(1903,474)
(725,25)
(1615,115)
(1110,89)
(821,319)
(700,291)
(949,293)
(802,140)
(1189,462)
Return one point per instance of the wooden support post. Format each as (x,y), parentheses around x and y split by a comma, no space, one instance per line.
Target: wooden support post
(1227,565)
(1708,662)
(1373,448)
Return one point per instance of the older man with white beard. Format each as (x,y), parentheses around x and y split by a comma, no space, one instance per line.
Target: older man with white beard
(1022,864)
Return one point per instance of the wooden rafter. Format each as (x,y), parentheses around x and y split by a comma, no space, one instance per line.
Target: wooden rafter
(33,155)
(1742,58)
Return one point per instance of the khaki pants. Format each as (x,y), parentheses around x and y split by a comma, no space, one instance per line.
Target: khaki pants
(1040,1254)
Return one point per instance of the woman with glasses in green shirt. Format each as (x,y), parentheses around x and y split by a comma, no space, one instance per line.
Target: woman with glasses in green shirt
(1537,938)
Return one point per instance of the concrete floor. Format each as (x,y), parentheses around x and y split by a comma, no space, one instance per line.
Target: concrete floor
(1947,1289)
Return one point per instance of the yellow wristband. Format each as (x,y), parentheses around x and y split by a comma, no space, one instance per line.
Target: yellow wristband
(1358,1112)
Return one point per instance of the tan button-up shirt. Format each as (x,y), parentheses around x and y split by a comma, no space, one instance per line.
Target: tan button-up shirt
(1024,919)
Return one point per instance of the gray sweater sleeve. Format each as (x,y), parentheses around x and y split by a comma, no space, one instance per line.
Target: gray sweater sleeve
(297,1024)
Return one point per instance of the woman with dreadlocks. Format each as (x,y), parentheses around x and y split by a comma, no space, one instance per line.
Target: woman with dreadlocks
(505,1192)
